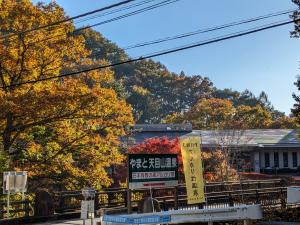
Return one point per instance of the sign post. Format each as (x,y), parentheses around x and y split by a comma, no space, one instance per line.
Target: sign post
(14,182)
(88,204)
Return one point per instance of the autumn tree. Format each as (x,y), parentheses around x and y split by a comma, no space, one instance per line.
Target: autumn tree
(252,117)
(206,114)
(63,131)
(215,113)
(153,91)
(284,122)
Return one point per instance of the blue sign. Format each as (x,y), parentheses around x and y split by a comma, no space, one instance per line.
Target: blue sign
(137,220)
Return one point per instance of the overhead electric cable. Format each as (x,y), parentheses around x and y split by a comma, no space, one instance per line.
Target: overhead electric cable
(201,31)
(67,19)
(154,6)
(206,30)
(165,52)
(115,11)
(145,9)
(219,38)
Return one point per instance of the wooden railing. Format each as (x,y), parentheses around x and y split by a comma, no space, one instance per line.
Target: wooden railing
(17,209)
(268,193)
(168,197)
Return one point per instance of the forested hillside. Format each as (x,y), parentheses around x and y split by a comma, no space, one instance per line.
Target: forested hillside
(156,93)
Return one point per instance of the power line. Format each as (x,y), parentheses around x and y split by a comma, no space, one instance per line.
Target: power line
(205,30)
(145,9)
(68,19)
(157,5)
(115,11)
(165,52)
(221,38)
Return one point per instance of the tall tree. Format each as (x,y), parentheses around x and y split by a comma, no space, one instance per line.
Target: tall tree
(152,90)
(214,113)
(252,117)
(59,128)
(296,16)
(296,108)
(206,114)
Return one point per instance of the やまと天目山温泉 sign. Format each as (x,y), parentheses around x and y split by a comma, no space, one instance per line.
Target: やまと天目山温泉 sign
(152,170)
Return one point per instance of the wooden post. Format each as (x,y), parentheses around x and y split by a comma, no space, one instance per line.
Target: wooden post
(27,209)
(282,199)
(165,205)
(230,200)
(200,205)
(96,201)
(1,210)
(246,222)
(257,196)
(61,202)
(129,209)
(176,198)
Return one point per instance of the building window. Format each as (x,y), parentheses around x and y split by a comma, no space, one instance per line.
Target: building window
(285,159)
(267,159)
(276,159)
(295,160)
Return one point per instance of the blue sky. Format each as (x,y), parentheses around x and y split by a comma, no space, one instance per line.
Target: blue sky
(267,61)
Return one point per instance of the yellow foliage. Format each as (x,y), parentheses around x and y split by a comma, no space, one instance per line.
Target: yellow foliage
(64,132)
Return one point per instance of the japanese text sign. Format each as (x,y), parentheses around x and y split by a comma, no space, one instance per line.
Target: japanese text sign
(152,170)
(192,166)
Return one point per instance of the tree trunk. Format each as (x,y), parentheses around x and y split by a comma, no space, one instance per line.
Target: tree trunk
(7,133)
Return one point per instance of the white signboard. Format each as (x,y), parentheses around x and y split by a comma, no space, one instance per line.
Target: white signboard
(293,195)
(87,209)
(237,213)
(14,182)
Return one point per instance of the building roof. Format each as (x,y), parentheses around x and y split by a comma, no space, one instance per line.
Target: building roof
(187,127)
(253,137)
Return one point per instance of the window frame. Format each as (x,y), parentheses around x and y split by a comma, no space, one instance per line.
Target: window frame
(285,159)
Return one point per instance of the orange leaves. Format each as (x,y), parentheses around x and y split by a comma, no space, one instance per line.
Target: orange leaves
(35,54)
(65,131)
(253,117)
(209,113)
(217,113)
(157,146)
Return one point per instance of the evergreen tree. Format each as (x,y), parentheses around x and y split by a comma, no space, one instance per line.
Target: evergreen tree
(296,109)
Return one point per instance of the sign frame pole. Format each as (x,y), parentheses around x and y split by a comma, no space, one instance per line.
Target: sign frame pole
(128,189)
(23,199)
(8,204)
(151,198)
(8,195)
